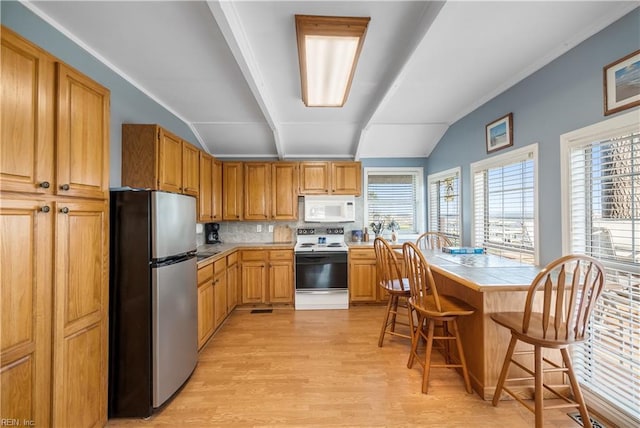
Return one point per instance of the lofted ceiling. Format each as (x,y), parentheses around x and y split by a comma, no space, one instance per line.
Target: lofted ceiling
(229,69)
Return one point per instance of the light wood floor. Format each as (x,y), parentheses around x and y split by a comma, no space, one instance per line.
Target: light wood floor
(324,368)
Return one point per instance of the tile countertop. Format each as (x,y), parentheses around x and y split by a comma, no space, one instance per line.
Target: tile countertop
(205,252)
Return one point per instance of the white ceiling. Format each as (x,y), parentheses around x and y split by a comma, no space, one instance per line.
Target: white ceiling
(229,69)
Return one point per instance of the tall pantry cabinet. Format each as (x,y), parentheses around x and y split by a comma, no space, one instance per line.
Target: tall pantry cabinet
(54,178)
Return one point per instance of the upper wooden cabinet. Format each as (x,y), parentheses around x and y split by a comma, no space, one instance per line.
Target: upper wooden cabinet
(284,191)
(205,202)
(314,178)
(82,136)
(336,177)
(232,188)
(257,190)
(154,158)
(216,198)
(73,160)
(346,178)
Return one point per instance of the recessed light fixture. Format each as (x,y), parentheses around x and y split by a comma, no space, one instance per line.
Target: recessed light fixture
(328,50)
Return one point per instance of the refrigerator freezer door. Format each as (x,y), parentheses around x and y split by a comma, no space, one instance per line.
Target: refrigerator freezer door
(173,224)
(174,327)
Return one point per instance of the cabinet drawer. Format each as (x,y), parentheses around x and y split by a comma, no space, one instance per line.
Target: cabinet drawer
(219,266)
(205,273)
(251,255)
(232,259)
(281,255)
(361,253)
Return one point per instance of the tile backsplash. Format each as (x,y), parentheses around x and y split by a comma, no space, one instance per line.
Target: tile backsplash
(246,231)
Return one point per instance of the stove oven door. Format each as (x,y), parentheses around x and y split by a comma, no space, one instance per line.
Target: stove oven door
(317,271)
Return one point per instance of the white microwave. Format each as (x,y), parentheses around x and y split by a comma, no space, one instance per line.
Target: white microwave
(329,209)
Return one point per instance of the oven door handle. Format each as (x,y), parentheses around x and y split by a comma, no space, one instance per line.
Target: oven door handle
(313,258)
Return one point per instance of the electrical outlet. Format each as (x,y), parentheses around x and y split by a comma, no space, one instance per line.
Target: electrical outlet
(259,228)
(270,228)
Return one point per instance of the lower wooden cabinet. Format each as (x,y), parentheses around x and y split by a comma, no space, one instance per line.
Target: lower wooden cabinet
(267,276)
(54,307)
(362,275)
(206,316)
(233,281)
(220,291)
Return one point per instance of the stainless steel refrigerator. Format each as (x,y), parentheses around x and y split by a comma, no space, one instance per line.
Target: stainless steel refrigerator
(153,321)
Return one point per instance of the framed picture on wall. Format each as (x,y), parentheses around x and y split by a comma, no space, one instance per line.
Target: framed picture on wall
(622,84)
(500,133)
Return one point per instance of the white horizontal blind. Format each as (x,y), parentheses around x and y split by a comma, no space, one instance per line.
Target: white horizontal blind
(444,204)
(393,196)
(604,180)
(504,208)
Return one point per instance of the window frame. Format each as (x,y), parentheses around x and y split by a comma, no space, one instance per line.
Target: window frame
(438,176)
(619,125)
(418,171)
(510,157)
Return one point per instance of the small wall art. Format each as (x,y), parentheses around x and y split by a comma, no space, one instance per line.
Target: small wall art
(622,84)
(500,133)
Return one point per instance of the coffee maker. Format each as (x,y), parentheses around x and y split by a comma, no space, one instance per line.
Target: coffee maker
(211,233)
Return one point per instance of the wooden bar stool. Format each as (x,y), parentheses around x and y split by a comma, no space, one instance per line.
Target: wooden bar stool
(433,241)
(556,313)
(390,278)
(431,307)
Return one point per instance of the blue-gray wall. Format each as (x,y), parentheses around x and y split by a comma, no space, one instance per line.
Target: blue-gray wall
(563,96)
(128,104)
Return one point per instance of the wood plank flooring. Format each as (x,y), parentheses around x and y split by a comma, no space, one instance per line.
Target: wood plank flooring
(324,368)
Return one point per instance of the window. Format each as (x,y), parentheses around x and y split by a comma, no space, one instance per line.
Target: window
(601,218)
(504,204)
(395,194)
(444,204)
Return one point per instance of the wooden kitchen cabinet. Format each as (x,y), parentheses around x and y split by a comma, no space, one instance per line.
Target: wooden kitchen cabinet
(281,281)
(267,276)
(314,178)
(205,201)
(220,290)
(232,190)
(284,191)
(53,141)
(80,319)
(257,190)
(26,305)
(206,308)
(210,193)
(27,116)
(233,276)
(54,177)
(362,275)
(330,177)
(346,178)
(154,158)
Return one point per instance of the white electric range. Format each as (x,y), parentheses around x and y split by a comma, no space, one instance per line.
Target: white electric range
(321,269)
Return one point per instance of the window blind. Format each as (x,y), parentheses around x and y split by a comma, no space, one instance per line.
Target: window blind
(504,208)
(393,196)
(604,180)
(444,205)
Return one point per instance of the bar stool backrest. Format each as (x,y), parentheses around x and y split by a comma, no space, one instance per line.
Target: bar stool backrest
(419,274)
(387,266)
(433,241)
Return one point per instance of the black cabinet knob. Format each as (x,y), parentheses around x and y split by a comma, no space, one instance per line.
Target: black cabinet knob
(45,184)
(45,209)
(64,210)
(64,187)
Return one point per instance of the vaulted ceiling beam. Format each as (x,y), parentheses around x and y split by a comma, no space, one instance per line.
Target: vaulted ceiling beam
(234,33)
(429,14)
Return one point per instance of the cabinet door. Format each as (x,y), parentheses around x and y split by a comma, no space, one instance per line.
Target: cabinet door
(216,176)
(284,191)
(220,290)
(257,190)
(25,310)
(362,281)
(205,197)
(232,173)
(281,282)
(190,169)
(169,162)
(346,178)
(206,309)
(314,178)
(83,136)
(26,116)
(80,327)
(253,280)
(232,287)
